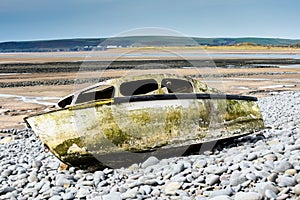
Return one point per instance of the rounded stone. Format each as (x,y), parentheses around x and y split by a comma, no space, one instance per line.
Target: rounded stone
(55,197)
(297,189)
(263,186)
(251,176)
(270,194)
(237,179)
(172,187)
(222,197)
(130,194)
(177,168)
(252,156)
(36,164)
(110,196)
(32,178)
(297,177)
(282,166)
(200,164)
(247,196)
(155,192)
(282,197)
(285,181)
(150,161)
(68,196)
(216,169)
(227,191)
(291,172)
(82,192)
(145,189)
(6,173)
(212,179)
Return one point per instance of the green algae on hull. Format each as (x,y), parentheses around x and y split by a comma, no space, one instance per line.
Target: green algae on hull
(103,127)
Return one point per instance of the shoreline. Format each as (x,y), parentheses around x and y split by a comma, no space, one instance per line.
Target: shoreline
(54,75)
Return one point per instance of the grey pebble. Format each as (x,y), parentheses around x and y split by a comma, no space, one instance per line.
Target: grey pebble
(145,189)
(53,165)
(298,178)
(270,194)
(297,189)
(62,180)
(172,187)
(32,178)
(278,148)
(237,178)
(285,181)
(262,174)
(263,186)
(6,173)
(227,191)
(247,196)
(252,156)
(149,162)
(282,197)
(112,196)
(131,193)
(82,192)
(45,187)
(177,168)
(216,169)
(68,196)
(251,176)
(39,185)
(222,197)
(212,179)
(56,197)
(36,164)
(56,190)
(155,192)
(88,183)
(282,166)
(200,163)
(4,190)
(98,177)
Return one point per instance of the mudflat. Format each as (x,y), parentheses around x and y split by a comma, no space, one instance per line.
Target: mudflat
(34,82)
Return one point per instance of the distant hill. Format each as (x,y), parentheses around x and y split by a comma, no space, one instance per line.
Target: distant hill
(136,41)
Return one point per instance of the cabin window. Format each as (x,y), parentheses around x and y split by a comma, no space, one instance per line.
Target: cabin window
(177,85)
(100,92)
(138,87)
(65,102)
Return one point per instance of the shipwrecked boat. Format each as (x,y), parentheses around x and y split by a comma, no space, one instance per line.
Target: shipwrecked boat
(125,120)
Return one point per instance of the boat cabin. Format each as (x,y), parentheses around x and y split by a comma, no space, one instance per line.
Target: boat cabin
(132,86)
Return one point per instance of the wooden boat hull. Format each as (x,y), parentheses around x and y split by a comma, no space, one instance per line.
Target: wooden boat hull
(107,133)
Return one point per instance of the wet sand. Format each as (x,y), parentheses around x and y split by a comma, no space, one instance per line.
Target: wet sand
(18,101)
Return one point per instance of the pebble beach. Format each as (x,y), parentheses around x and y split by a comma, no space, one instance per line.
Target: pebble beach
(261,166)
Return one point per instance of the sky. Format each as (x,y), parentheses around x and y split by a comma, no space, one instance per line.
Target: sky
(59,19)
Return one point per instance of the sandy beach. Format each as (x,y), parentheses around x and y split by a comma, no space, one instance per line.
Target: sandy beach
(33,82)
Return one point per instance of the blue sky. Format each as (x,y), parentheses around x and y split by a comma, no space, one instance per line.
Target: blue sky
(55,19)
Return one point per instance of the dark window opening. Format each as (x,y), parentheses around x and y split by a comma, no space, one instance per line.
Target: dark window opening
(177,85)
(101,92)
(138,87)
(67,101)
